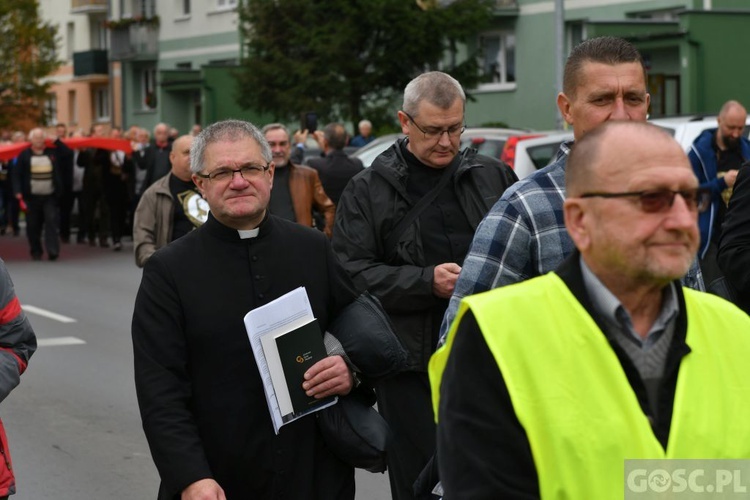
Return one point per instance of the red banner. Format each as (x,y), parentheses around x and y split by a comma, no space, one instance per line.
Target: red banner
(10,151)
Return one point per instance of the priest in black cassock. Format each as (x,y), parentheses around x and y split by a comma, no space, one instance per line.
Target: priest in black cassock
(200,393)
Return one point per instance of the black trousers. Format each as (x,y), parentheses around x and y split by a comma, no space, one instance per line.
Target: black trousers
(42,213)
(405,403)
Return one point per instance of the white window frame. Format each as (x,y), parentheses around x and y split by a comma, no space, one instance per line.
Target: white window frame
(50,108)
(148,84)
(506,40)
(226,4)
(101,104)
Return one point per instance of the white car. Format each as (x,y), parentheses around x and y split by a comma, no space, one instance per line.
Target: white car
(532,154)
(685,129)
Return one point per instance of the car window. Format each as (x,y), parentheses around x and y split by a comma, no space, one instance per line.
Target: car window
(543,154)
(492,148)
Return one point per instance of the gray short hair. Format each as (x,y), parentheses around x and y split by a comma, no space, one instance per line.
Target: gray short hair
(275,126)
(227,130)
(435,87)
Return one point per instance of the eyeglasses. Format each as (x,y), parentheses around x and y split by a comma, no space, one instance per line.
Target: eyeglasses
(247,172)
(434,133)
(660,200)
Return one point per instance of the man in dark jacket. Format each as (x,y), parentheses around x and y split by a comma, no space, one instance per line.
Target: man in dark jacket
(734,245)
(335,168)
(413,269)
(65,160)
(199,390)
(716,156)
(37,182)
(154,159)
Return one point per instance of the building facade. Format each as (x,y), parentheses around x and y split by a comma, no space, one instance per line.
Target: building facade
(692,49)
(85,89)
(141,62)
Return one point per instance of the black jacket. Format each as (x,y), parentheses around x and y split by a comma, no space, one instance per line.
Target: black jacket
(734,246)
(372,205)
(335,170)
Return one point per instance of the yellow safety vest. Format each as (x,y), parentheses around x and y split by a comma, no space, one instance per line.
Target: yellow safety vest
(574,401)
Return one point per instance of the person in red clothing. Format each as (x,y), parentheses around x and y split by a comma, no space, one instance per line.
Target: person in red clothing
(18,344)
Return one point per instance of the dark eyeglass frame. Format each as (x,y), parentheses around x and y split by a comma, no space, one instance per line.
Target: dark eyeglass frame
(660,200)
(247,169)
(454,131)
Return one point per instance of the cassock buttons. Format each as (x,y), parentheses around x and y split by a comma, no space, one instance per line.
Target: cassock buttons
(254,258)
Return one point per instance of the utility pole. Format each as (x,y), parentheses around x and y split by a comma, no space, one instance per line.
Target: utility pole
(559,52)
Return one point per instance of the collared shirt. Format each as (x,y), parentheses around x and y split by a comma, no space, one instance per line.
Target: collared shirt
(524,236)
(648,355)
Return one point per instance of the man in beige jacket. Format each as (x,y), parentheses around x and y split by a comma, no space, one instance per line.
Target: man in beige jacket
(171,207)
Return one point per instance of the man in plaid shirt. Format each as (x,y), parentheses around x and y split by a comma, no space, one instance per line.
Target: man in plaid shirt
(524,234)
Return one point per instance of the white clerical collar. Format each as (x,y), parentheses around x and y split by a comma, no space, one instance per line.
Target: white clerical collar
(248,233)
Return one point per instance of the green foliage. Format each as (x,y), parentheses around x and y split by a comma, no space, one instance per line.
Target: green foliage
(346,59)
(28,47)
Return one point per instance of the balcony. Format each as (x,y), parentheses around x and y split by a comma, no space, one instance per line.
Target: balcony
(90,62)
(134,41)
(88,6)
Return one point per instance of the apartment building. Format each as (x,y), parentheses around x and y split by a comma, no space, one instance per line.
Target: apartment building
(143,62)
(85,89)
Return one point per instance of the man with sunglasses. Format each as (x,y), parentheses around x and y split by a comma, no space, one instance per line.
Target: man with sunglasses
(402,229)
(523,236)
(546,387)
(199,390)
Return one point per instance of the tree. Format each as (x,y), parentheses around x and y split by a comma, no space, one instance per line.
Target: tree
(28,47)
(346,59)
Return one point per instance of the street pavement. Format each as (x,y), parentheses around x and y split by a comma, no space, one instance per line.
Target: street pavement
(73,422)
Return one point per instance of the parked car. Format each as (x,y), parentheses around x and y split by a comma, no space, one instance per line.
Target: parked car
(529,152)
(685,129)
(489,141)
(368,153)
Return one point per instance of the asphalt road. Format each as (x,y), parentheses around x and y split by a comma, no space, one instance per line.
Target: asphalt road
(73,423)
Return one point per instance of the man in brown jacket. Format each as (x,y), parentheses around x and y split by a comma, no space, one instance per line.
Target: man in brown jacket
(297,189)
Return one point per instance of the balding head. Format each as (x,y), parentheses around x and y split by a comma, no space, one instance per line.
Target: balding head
(604,149)
(626,237)
(180,157)
(731,121)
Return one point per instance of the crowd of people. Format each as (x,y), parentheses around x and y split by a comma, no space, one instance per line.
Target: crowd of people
(553,327)
(595,342)
(86,193)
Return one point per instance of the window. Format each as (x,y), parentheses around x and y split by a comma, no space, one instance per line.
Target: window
(498,58)
(576,34)
(148,89)
(185,7)
(99,34)
(50,109)
(101,104)
(72,107)
(226,4)
(70,35)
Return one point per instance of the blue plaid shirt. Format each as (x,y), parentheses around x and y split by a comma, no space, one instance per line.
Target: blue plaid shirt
(524,236)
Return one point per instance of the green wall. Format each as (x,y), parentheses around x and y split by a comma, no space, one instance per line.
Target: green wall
(715,46)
